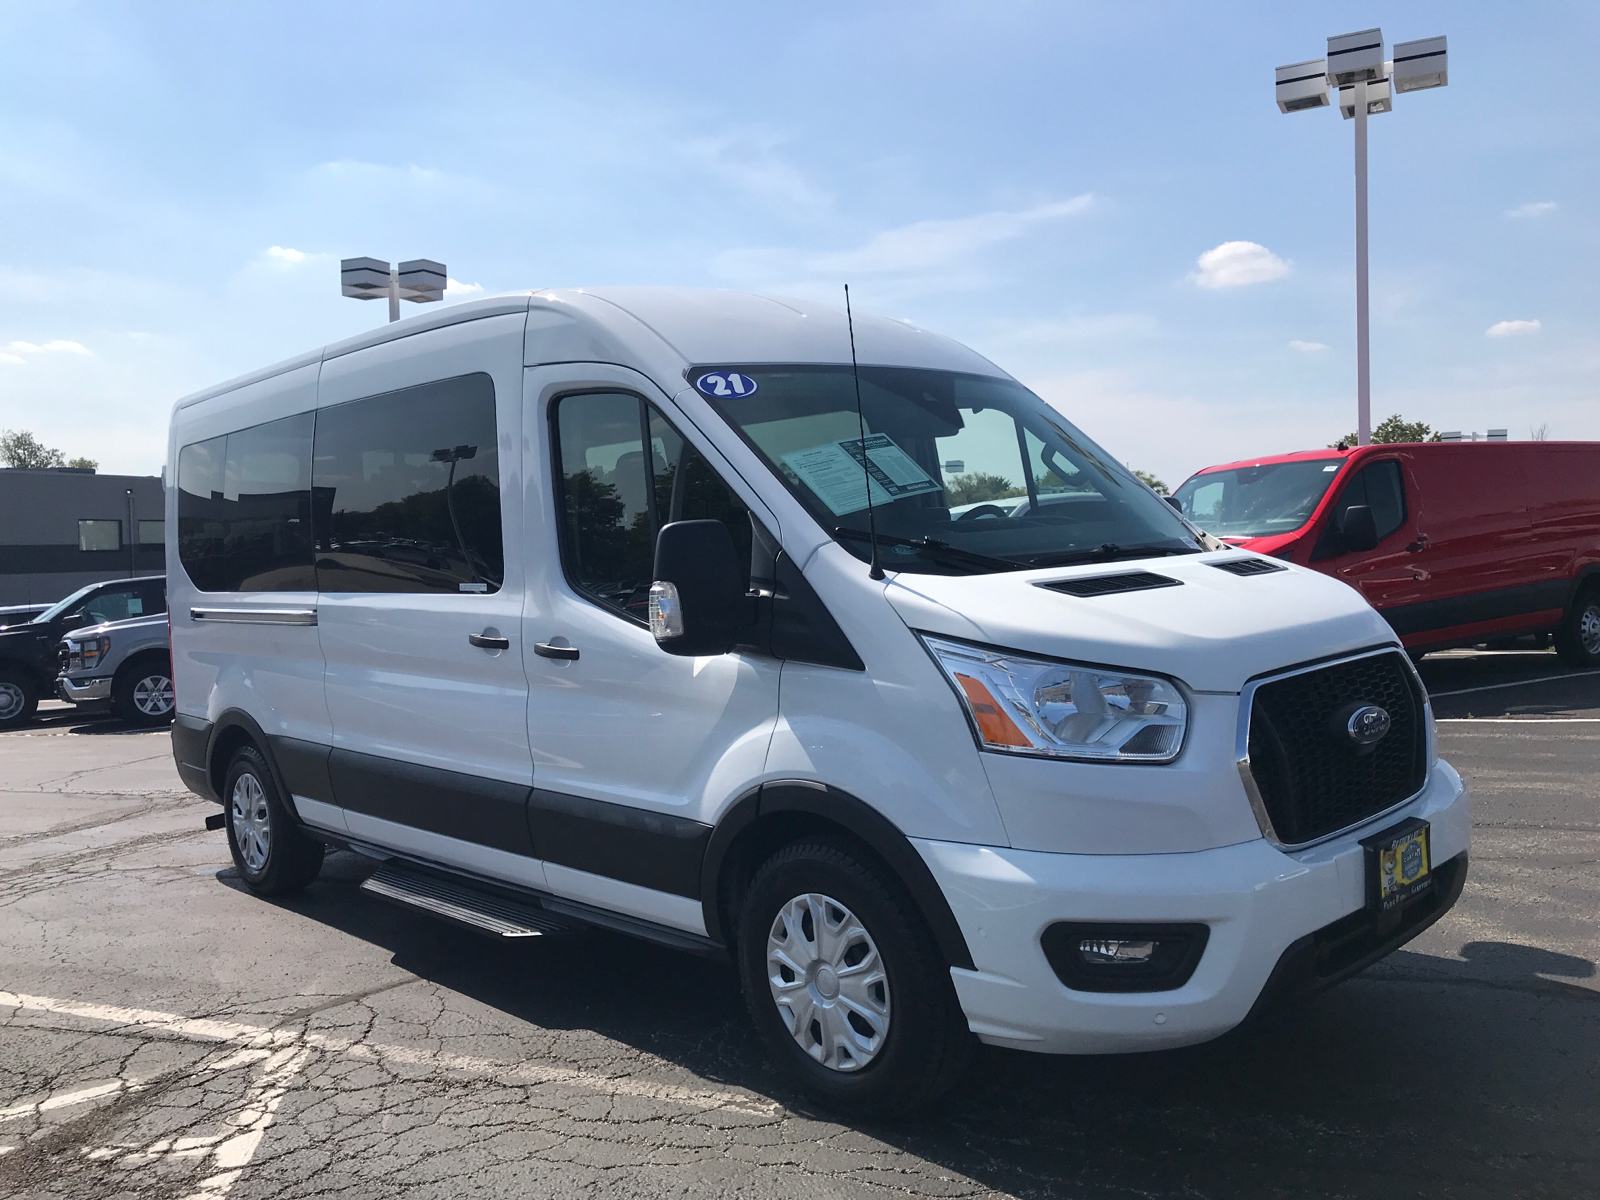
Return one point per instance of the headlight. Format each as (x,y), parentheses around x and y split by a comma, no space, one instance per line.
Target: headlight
(90,651)
(1021,705)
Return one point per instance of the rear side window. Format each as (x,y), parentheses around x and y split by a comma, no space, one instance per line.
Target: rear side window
(406,491)
(244,509)
(623,472)
(1381,487)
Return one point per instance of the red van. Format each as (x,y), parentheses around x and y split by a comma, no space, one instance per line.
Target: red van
(1453,542)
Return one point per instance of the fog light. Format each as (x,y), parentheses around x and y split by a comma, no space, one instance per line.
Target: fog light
(1115,950)
(1123,957)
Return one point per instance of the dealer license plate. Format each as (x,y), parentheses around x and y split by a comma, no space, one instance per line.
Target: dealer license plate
(1399,865)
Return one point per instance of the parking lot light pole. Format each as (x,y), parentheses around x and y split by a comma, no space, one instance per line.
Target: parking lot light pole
(1367,83)
(420,280)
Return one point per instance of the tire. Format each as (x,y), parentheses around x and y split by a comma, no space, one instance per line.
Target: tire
(19,698)
(273,856)
(1578,638)
(141,693)
(893,1034)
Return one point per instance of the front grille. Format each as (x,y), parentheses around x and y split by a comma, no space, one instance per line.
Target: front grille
(1312,777)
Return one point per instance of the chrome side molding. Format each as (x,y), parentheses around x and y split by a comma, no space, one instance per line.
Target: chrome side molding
(256,616)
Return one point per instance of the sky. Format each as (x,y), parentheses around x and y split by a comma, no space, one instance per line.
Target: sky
(1103,199)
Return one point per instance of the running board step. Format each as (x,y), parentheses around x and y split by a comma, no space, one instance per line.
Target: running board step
(464,904)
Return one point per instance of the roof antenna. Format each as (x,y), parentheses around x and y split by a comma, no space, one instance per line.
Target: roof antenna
(876,570)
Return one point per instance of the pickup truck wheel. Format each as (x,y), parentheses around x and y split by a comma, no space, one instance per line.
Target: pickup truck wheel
(273,856)
(141,694)
(1578,639)
(845,982)
(18,699)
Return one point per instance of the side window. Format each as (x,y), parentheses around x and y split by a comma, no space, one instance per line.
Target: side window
(1381,487)
(244,509)
(624,472)
(114,604)
(406,491)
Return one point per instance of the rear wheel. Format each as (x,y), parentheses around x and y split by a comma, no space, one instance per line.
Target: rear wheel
(18,699)
(1578,639)
(142,691)
(846,984)
(274,857)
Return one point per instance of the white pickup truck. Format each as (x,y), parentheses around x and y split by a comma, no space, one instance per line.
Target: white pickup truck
(125,664)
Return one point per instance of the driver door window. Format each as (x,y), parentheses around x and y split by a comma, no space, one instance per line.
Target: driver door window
(1380,487)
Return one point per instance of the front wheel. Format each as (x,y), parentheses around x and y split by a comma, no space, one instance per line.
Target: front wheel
(273,856)
(142,692)
(18,699)
(1578,639)
(846,984)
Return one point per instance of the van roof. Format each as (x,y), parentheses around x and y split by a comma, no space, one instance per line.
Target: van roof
(694,325)
(1377,448)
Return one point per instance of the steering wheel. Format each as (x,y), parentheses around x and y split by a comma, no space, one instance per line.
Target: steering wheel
(983,510)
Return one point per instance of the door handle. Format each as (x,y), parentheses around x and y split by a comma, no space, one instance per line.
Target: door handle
(546,650)
(1420,544)
(484,642)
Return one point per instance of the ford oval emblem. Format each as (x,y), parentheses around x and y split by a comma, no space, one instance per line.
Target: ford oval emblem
(1367,725)
(726,383)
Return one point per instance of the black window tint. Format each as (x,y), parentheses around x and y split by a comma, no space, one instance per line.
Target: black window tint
(1385,496)
(406,489)
(244,509)
(624,472)
(1380,486)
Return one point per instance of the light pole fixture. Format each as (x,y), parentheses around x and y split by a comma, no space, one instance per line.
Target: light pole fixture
(1367,83)
(420,281)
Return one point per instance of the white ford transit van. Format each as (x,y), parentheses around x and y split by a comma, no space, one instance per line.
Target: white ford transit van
(564,608)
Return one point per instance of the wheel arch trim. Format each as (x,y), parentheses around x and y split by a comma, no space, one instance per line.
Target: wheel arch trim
(835,807)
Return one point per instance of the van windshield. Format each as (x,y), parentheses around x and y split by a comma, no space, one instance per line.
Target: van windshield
(1252,502)
(968,474)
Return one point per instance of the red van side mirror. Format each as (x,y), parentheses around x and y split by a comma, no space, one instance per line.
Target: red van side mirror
(1357,530)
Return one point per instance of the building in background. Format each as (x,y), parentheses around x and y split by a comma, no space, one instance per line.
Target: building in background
(63,527)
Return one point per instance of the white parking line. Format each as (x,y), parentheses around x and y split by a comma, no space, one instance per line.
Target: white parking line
(1489,687)
(278,1055)
(1517,721)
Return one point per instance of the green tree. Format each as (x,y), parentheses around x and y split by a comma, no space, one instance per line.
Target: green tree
(1159,487)
(1393,428)
(19,448)
(87,464)
(978,486)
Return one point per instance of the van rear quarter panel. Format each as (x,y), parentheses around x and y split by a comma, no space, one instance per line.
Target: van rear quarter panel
(272,672)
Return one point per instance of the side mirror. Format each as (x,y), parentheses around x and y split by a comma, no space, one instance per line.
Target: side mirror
(697,601)
(1357,530)
(1174,501)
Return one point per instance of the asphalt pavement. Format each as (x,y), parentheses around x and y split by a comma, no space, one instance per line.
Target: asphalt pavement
(163,1033)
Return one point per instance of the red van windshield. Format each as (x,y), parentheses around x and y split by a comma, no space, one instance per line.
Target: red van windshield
(1252,502)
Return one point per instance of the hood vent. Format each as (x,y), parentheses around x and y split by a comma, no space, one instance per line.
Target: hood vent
(1248,566)
(1106,585)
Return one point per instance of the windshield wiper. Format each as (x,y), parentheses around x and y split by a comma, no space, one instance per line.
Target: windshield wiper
(932,548)
(1108,552)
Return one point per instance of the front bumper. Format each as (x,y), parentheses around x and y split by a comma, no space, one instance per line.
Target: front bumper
(1259,902)
(83,691)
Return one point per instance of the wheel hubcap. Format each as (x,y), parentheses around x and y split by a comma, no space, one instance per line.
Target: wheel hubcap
(11,701)
(252,829)
(152,695)
(1589,629)
(828,982)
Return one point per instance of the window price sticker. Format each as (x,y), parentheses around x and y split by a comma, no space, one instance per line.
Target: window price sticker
(834,471)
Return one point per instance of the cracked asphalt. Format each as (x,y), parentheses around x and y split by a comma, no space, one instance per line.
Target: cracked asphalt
(165,1034)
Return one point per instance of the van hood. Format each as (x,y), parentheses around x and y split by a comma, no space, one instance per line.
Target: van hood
(1212,631)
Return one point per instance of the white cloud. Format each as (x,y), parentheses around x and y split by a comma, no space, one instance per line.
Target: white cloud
(750,161)
(937,243)
(1238,264)
(1300,347)
(284,256)
(456,290)
(59,346)
(1534,208)
(12,359)
(1512,328)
